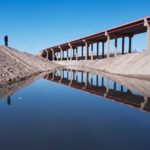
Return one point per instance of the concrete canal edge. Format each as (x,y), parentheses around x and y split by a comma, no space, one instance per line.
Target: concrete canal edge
(132,65)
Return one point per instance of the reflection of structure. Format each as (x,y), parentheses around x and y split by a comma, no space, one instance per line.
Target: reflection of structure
(67,77)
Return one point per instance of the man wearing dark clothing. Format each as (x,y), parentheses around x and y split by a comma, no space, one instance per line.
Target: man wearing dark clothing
(6,40)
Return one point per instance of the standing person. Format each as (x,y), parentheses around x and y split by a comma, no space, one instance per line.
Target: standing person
(6,40)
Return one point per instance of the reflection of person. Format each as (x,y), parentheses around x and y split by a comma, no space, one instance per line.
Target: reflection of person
(8,100)
(6,40)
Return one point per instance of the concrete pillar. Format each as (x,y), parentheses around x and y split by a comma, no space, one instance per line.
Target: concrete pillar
(115,46)
(73,53)
(60,53)
(146,24)
(123,45)
(70,51)
(102,82)
(92,51)
(103,46)
(144,102)
(61,76)
(91,79)
(70,78)
(130,41)
(148,38)
(77,75)
(121,88)
(82,77)
(63,55)
(67,74)
(53,75)
(86,50)
(52,55)
(82,51)
(114,86)
(67,54)
(86,79)
(47,54)
(97,47)
(77,53)
(97,80)
(107,88)
(73,78)
(108,44)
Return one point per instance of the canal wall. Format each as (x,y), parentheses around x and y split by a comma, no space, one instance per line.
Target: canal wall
(132,65)
(16,65)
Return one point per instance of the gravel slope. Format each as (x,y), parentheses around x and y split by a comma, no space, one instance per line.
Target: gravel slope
(16,65)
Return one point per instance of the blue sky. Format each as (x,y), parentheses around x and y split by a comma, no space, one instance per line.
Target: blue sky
(33,25)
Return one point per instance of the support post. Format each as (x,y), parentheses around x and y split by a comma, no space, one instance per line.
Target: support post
(115,46)
(70,78)
(92,51)
(77,75)
(70,51)
(102,82)
(130,41)
(77,53)
(114,86)
(82,77)
(107,88)
(47,54)
(108,44)
(86,50)
(97,49)
(67,54)
(57,56)
(52,55)
(123,45)
(86,79)
(60,53)
(97,80)
(91,79)
(82,51)
(103,46)
(148,38)
(146,24)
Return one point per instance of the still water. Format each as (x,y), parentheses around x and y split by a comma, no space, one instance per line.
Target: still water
(76,110)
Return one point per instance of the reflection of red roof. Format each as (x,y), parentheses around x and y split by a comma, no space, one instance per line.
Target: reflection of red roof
(127,29)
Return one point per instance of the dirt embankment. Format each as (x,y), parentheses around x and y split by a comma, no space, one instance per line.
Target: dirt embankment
(133,65)
(16,65)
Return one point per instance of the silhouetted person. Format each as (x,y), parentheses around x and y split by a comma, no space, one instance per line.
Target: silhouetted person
(6,40)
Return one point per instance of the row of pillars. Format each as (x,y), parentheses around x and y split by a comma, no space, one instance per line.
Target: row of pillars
(74,77)
(85,75)
(87,44)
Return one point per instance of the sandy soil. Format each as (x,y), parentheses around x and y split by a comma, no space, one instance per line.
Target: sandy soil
(16,65)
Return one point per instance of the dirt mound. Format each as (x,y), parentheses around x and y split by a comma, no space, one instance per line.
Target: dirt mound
(16,65)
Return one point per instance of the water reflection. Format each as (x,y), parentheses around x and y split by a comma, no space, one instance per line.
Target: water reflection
(104,85)
(8,100)
(9,89)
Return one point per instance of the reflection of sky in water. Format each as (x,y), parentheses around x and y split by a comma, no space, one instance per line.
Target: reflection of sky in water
(53,116)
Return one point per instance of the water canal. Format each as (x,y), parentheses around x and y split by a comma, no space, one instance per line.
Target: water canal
(72,109)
